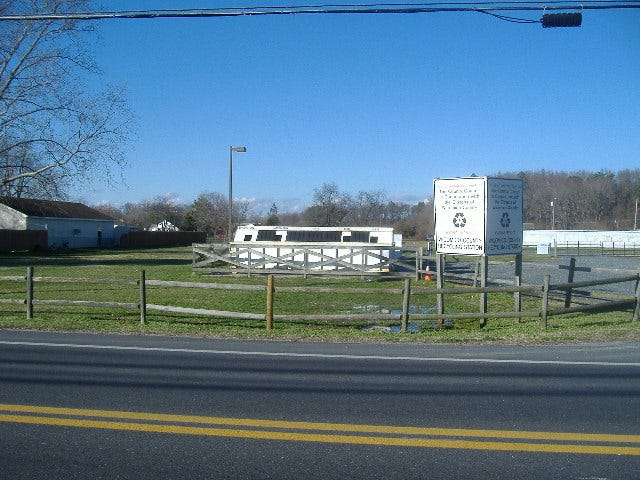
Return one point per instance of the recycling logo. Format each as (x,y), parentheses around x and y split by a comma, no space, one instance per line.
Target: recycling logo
(459,220)
(505,221)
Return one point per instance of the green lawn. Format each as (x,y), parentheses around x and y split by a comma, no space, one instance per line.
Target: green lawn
(174,264)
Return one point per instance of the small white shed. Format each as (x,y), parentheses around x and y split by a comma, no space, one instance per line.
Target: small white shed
(68,224)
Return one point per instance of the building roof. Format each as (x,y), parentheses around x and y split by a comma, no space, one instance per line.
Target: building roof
(48,208)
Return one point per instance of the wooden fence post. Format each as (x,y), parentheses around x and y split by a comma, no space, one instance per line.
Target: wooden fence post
(517,296)
(477,272)
(29,293)
(440,264)
(570,277)
(406,295)
(545,301)
(636,311)
(269,315)
(143,297)
(484,267)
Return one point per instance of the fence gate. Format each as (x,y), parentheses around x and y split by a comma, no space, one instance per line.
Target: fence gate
(307,259)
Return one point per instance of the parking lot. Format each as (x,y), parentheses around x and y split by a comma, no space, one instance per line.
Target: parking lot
(533,272)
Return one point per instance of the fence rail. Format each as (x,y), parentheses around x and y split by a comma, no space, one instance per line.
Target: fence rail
(308,259)
(623,249)
(544,291)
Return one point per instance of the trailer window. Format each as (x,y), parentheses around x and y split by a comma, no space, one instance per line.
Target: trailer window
(267,236)
(360,237)
(311,236)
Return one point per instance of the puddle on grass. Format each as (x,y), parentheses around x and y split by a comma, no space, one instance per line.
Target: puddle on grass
(413,310)
(391,329)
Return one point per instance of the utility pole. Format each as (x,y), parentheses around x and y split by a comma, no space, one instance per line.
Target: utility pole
(231,150)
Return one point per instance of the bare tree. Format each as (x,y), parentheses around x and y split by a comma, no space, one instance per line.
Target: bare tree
(600,196)
(330,206)
(164,207)
(146,213)
(111,210)
(368,208)
(628,187)
(53,132)
(395,212)
(209,213)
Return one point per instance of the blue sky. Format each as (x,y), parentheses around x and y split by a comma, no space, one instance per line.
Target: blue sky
(369,102)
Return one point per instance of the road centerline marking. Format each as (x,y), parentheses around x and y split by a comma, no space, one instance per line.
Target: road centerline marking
(420,437)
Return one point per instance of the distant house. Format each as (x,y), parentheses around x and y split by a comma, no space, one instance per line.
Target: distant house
(163,226)
(68,224)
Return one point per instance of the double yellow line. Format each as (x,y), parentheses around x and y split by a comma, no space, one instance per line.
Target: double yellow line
(420,437)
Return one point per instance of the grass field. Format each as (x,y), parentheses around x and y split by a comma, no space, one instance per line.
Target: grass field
(174,264)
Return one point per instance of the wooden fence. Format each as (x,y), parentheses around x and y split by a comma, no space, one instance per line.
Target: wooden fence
(269,317)
(148,239)
(308,259)
(19,240)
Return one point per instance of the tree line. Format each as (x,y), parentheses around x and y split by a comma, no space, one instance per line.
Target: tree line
(331,207)
(579,200)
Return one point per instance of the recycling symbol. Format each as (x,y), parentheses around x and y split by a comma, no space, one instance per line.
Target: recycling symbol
(459,220)
(505,221)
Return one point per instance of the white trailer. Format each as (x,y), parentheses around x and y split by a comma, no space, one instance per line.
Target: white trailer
(320,248)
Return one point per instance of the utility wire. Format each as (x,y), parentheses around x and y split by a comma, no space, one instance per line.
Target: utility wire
(507,18)
(490,8)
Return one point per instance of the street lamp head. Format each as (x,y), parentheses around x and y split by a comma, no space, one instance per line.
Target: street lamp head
(239,149)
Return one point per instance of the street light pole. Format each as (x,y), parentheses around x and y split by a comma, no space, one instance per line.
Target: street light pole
(231,150)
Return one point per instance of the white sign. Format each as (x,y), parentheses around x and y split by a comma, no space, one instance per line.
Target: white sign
(459,208)
(478,215)
(542,249)
(504,216)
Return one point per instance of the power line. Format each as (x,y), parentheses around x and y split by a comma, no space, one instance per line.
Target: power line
(491,8)
(508,18)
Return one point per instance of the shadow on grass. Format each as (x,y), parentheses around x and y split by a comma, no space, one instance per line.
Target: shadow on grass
(104,261)
(106,257)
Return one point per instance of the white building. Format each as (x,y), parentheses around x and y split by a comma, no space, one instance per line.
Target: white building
(68,224)
(606,238)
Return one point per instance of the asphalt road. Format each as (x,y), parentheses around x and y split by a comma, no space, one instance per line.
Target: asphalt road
(109,406)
